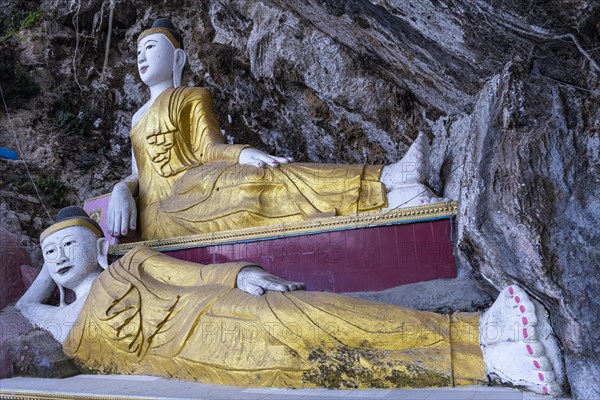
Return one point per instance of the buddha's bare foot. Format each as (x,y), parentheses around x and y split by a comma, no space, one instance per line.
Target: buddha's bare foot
(519,347)
(412,195)
(411,169)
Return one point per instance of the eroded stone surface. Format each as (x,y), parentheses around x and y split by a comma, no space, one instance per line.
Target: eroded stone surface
(440,295)
(26,351)
(37,354)
(12,324)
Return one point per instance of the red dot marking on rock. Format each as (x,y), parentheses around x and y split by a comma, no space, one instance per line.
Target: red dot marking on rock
(522,308)
(541,376)
(517,299)
(525,334)
(545,390)
(536,364)
(511,290)
(529,349)
(524,319)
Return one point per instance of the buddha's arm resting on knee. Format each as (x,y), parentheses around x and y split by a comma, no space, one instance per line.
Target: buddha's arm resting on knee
(207,140)
(183,273)
(193,114)
(122,210)
(31,304)
(248,277)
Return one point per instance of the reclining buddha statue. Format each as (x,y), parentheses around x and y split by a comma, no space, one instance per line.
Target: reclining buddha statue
(189,181)
(234,323)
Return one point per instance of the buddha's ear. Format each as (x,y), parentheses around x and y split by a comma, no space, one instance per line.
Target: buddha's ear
(179,59)
(102,247)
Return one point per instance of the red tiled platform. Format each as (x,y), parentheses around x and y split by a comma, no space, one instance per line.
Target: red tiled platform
(362,259)
(394,252)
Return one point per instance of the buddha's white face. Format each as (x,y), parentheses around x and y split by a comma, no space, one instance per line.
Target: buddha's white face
(70,255)
(156,55)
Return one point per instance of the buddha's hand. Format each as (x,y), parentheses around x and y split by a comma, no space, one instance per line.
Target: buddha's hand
(251,156)
(256,281)
(122,212)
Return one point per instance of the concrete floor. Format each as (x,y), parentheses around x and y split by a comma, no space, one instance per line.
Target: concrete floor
(147,387)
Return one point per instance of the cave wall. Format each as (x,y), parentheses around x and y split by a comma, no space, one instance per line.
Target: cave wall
(507,92)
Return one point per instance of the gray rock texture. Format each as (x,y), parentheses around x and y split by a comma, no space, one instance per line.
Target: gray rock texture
(12,324)
(25,350)
(506,91)
(441,295)
(37,354)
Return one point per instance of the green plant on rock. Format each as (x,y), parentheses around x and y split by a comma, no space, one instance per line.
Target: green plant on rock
(20,20)
(53,189)
(72,124)
(32,18)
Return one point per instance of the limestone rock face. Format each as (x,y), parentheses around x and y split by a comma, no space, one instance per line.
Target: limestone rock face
(530,205)
(12,324)
(29,351)
(37,354)
(506,91)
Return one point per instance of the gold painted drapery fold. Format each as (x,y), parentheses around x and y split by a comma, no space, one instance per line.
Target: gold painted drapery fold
(191,182)
(152,314)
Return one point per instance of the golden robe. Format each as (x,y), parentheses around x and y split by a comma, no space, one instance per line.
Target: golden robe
(152,314)
(190,181)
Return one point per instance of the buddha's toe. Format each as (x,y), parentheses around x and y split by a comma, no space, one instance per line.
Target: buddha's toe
(518,344)
(512,362)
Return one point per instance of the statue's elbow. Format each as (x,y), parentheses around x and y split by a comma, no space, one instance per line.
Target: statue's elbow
(21,304)
(25,302)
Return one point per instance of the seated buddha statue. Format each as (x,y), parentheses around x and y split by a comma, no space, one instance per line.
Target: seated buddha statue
(189,181)
(235,324)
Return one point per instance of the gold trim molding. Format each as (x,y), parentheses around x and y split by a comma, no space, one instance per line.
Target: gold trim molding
(312,226)
(18,395)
